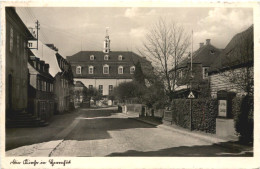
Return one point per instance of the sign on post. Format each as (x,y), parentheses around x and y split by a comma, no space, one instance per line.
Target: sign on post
(222,108)
(191,95)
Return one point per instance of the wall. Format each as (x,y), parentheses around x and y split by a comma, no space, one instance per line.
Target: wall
(104,82)
(220,81)
(16,65)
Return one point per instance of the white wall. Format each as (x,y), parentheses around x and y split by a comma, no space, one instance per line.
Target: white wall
(221,81)
(104,82)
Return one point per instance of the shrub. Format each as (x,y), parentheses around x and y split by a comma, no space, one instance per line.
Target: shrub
(243,110)
(129,90)
(204,113)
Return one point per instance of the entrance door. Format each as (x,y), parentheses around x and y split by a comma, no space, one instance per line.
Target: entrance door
(10,93)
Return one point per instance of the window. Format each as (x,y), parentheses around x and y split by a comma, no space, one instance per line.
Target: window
(120,70)
(106,57)
(120,57)
(38,84)
(18,44)
(24,49)
(43,86)
(100,89)
(11,39)
(90,86)
(92,57)
(51,87)
(132,69)
(110,89)
(180,74)
(205,72)
(90,69)
(78,70)
(47,87)
(105,69)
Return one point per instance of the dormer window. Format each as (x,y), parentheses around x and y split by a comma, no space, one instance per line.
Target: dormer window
(78,70)
(132,69)
(120,57)
(205,73)
(92,57)
(120,70)
(105,69)
(90,69)
(106,57)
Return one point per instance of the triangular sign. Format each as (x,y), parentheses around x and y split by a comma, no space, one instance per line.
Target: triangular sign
(191,96)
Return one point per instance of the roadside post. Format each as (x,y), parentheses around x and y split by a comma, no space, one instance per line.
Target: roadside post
(191,96)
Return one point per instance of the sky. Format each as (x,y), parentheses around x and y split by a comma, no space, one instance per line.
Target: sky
(74,29)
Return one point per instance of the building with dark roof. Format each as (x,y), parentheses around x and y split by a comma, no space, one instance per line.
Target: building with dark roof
(40,94)
(236,58)
(202,60)
(16,55)
(105,69)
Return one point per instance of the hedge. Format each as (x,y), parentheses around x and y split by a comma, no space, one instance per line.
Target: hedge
(204,113)
(243,111)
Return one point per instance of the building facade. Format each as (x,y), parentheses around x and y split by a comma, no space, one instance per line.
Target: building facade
(104,70)
(16,77)
(60,70)
(197,80)
(40,96)
(233,70)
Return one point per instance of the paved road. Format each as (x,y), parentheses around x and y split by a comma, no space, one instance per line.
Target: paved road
(107,133)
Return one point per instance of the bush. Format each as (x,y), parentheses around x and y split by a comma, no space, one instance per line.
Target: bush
(243,109)
(129,90)
(204,113)
(181,112)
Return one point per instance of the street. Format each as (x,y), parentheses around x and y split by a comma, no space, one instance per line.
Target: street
(104,132)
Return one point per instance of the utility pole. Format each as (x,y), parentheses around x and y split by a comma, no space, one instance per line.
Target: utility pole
(37,29)
(191,77)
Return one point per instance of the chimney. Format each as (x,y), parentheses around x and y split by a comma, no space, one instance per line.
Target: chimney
(207,41)
(201,44)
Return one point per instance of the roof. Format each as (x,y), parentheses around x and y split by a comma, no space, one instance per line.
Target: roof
(238,52)
(49,56)
(79,84)
(205,55)
(12,12)
(32,70)
(84,56)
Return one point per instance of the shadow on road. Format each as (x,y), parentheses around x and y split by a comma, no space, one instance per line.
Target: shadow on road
(97,113)
(214,150)
(93,129)
(86,129)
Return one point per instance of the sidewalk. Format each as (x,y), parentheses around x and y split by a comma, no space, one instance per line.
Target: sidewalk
(25,141)
(230,142)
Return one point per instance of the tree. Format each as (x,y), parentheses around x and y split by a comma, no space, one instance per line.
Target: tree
(130,90)
(94,94)
(165,45)
(138,74)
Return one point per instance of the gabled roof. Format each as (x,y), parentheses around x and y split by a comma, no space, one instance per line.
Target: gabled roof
(205,55)
(49,56)
(238,52)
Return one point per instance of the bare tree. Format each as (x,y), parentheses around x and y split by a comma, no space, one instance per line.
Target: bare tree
(238,62)
(165,45)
